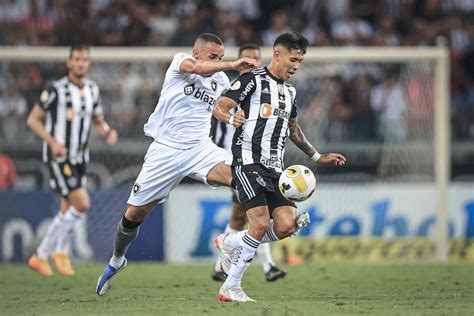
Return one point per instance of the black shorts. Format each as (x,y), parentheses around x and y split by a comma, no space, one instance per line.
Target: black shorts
(235,197)
(66,177)
(257,186)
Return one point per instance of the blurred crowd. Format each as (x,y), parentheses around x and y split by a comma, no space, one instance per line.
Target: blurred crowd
(365,106)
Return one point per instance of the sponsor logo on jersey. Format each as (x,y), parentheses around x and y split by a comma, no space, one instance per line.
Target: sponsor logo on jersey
(269,163)
(281,114)
(265,110)
(71,114)
(200,94)
(247,90)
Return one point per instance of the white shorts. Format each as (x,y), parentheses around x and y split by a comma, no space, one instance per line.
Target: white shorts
(165,167)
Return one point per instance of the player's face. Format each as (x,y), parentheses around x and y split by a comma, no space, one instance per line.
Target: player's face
(78,64)
(252,53)
(209,52)
(288,62)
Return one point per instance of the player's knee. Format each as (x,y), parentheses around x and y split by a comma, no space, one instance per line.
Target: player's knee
(136,213)
(285,227)
(83,206)
(260,227)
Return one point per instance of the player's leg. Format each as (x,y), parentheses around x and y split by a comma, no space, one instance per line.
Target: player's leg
(77,204)
(39,260)
(59,174)
(237,222)
(246,244)
(159,175)
(252,187)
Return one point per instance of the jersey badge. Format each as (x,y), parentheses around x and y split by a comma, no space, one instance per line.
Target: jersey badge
(214,85)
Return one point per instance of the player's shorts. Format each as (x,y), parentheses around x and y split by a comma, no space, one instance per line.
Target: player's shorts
(235,197)
(257,186)
(165,167)
(66,177)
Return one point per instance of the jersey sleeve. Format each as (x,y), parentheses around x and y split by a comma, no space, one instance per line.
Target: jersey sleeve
(97,109)
(242,87)
(48,99)
(294,110)
(178,59)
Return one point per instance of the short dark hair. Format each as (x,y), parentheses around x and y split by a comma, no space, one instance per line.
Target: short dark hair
(292,41)
(209,37)
(248,46)
(78,47)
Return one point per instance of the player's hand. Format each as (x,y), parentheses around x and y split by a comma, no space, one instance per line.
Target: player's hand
(58,150)
(239,118)
(244,64)
(332,158)
(111,137)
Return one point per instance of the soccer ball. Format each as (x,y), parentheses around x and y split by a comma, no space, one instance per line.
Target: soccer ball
(297,183)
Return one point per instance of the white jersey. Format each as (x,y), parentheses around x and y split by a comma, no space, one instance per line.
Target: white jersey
(182,116)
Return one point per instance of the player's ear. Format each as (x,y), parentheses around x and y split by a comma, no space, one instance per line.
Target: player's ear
(195,53)
(276,53)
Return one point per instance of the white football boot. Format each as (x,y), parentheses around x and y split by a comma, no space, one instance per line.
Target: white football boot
(226,252)
(233,294)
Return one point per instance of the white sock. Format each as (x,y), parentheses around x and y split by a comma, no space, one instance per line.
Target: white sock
(116,262)
(217,264)
(233,239)
(265,255)
(70,218)
(49,240)
(243,256)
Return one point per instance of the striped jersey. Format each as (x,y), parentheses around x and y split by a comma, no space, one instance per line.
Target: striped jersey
(69,113)
(221,132)
(268,103)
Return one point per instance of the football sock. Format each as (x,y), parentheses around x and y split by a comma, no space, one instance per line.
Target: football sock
(270,235)
(125,234)
(233,239)
(243,256)
(69,219)
(217,265)
(49,240)
(265,255)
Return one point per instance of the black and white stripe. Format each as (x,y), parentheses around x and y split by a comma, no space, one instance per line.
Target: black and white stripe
(268,109)
(242,177)
(69,113)
(250,241)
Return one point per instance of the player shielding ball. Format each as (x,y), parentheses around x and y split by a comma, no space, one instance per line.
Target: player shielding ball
(270,108)
(222,134)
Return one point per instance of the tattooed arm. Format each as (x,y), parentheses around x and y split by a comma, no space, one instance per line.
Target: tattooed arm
(299,139)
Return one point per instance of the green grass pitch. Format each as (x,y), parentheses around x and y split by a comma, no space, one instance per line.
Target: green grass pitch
(323,289)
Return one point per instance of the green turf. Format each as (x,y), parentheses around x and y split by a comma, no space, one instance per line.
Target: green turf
(326,289)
